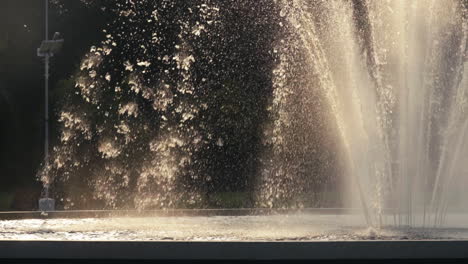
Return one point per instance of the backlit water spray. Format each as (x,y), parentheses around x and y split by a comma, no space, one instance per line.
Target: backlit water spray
(132,126)
(374,91)
(394,78)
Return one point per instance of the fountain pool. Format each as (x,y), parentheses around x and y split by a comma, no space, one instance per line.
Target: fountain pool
(216,225)
(228,235)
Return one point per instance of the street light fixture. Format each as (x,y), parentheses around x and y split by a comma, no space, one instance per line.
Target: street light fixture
(47,50)
(50,47)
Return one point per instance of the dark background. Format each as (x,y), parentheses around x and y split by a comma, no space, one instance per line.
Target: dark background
(22,87)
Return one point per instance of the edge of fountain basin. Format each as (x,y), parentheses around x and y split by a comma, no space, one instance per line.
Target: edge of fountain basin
(251,250)
(19,215)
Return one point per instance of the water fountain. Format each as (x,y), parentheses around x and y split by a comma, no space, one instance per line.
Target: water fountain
(369,97)
(394,77)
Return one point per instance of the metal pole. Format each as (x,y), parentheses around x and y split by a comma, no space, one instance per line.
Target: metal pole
(46,112)
(46,19)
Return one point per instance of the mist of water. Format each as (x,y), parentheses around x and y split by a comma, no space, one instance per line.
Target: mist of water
(394,78)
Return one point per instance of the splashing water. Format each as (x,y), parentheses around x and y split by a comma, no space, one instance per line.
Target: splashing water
(132,128)
(375,91)
(393,77)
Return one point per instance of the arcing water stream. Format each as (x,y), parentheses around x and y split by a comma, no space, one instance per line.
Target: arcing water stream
(395,77)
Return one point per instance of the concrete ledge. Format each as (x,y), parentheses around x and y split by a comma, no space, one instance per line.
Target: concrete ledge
(357,250)
(171,212)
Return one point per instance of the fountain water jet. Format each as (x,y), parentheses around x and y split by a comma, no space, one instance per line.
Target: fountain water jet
(393,75)
(385,79)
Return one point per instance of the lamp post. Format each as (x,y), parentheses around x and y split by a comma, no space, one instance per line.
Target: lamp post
(47,50)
